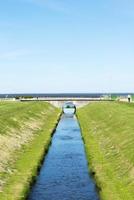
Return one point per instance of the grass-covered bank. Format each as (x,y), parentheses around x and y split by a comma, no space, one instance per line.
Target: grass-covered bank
(108,132)
(25,135)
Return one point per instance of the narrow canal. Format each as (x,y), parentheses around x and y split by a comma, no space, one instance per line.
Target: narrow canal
(64,174)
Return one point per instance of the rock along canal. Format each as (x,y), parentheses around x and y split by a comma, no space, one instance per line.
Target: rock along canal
(64,174)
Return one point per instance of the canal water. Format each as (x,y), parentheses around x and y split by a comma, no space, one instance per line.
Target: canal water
(64,174)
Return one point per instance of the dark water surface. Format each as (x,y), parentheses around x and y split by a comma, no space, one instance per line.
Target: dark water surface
(91,95)
(64,174)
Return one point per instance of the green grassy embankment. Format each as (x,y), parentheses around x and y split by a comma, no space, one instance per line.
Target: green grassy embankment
(25,135)
(108,133)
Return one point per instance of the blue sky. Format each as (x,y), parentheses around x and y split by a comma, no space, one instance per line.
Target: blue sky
(66,46)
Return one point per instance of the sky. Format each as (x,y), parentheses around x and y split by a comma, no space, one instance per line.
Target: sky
(52,46)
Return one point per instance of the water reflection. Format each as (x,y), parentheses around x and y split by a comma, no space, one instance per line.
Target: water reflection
(69,108)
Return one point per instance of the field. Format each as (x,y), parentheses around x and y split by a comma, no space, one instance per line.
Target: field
(108,133)
(25,135)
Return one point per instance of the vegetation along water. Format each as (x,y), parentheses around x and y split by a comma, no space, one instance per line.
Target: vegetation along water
(108,133)
(25,135)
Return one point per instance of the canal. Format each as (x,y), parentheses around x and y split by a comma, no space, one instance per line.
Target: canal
(64,174)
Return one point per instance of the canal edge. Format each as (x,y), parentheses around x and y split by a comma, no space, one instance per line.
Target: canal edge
(91,172)
(43,157)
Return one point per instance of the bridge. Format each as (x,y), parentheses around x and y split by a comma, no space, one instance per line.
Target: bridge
(60,101)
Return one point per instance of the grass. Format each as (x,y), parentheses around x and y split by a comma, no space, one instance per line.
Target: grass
(25,135)
(132,96)
(108,133)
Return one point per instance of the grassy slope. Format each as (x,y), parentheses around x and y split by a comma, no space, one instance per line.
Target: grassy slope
(108,132)
(25,134)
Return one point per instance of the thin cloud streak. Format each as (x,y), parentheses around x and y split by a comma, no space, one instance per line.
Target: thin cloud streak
(13,55)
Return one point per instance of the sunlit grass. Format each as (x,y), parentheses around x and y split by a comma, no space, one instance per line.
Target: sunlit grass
(25,135)
(108,132)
